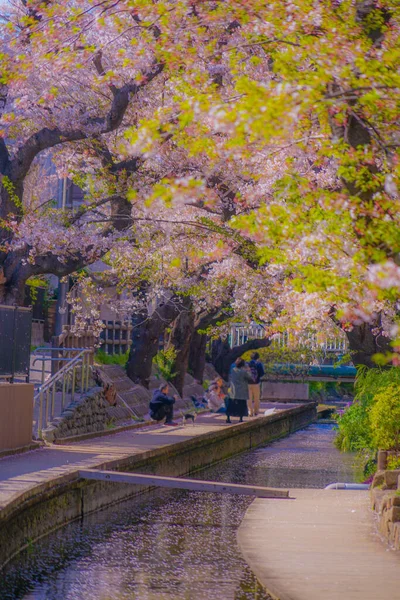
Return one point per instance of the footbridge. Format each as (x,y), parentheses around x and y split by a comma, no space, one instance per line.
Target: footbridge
(307,373)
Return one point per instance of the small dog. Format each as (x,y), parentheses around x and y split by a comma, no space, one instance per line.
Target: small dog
(188,417)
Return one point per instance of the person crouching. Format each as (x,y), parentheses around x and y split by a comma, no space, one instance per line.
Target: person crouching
(162,405)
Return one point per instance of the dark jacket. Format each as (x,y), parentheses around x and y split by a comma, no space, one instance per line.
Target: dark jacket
(159,399)
(239,384)
(258,366)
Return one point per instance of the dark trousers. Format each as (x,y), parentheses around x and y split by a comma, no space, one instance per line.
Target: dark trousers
(236,408)
(165,410)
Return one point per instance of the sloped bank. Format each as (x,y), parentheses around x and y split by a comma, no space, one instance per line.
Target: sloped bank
(63,499)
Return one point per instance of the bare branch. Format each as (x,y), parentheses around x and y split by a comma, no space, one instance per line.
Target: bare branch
(85,208)
(48,138)
(97,61)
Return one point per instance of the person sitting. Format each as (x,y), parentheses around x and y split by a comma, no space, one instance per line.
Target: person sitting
(216,396)
(199,401)
(162,405)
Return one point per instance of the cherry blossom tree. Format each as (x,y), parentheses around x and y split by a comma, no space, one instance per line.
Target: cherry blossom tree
(256,142)
(70,74)
(315,88)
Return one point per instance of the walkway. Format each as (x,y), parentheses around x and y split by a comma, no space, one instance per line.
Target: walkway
(321,546)
(21,473)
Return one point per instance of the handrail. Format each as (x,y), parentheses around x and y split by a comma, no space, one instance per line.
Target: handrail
(66,372)
(51,349)
(54,378)
(41,350)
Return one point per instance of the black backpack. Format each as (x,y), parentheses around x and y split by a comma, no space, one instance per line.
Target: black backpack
(254,371)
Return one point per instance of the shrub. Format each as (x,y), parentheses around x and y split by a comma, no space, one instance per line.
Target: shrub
(111,359)
(324,389)
(164,362)
(356,427)
(385,419)
(370,382)
(393,463)
(317,389)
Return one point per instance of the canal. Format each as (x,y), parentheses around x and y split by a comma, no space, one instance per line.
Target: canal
(172,545)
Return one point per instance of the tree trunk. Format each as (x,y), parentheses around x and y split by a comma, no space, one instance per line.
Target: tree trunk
(197,355)
(365,340)
(364,344)
(198,345)
(145,340)
(180,338)
(12,290)
(223,355)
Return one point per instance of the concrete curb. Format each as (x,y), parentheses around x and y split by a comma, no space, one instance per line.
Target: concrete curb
(33,446)
(95,434)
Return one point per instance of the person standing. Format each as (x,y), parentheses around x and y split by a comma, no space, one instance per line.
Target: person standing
(257,372)
(240,378)
(162,405)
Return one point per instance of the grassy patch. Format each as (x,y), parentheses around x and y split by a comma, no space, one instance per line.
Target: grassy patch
(111,359)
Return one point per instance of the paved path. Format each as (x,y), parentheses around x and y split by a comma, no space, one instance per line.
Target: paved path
(21,473)
(321,546)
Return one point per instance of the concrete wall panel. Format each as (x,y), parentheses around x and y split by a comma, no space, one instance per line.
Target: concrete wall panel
(16,415)
(272,390)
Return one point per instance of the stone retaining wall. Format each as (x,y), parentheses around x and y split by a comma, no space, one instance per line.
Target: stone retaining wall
(385,495)
(285,391)
(88,414)
(66,498)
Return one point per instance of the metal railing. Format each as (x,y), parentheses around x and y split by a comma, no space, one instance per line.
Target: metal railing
(65,382)
(338,344)
(44,357)
(240,333)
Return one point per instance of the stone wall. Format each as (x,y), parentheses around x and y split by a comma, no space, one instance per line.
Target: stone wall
(134,399)
(385,495)
(88,414)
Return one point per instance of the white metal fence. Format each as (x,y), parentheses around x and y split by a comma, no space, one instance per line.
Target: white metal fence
(240,333)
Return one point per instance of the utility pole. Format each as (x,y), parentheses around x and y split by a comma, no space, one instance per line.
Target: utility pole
(62,314)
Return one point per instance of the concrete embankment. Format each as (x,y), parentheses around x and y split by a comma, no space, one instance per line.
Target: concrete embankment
(321,546)
(41,491)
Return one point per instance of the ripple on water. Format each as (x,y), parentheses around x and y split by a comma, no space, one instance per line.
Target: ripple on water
(172,545)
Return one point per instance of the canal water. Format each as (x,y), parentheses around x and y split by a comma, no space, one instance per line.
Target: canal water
(172,545)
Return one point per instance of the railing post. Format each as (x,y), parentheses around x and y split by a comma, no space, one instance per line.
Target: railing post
(83,372)
(40,424)
(53,400)
(47,407)
(63,392)
(88,370)
(43,366)
(73,384)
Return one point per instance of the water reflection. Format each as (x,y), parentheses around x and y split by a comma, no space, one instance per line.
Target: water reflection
(174,544)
